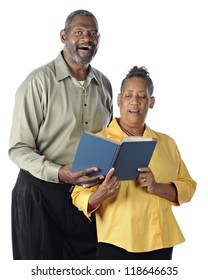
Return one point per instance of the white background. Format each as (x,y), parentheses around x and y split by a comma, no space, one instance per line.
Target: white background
(169,37)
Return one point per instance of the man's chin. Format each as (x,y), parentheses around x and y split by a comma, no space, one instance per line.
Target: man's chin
(84,60)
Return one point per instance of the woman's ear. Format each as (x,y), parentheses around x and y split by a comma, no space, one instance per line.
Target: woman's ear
(118,99)
(152,102)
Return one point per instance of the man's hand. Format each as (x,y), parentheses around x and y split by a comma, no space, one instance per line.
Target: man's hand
(66,175)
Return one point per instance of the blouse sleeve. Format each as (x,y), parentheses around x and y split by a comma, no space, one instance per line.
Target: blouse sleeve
(80,197)
(185,185)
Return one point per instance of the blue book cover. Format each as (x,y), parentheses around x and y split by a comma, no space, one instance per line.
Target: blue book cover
(126,157)
(131,156)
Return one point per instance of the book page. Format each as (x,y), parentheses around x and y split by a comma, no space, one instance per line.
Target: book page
(136,139)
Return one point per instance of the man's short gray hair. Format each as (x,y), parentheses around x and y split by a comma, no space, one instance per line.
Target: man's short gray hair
(78,13)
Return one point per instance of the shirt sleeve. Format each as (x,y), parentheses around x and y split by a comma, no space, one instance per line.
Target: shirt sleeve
(28,116)
(80,197)
(185,185)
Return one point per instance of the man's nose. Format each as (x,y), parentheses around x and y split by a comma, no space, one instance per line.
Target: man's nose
(87,36)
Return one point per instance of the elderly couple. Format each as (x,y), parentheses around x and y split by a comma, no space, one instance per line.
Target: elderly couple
(53,216)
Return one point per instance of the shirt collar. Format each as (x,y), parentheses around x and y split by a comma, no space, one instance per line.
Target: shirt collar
(150,133)
(63,71)
(114,128)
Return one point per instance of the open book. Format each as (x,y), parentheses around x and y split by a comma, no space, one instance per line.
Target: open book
(126,156)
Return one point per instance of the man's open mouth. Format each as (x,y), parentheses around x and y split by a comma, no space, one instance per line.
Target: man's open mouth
(86,48)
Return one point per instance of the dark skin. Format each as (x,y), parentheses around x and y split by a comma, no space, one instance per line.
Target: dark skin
(134,102)
(109,188)
(81,40)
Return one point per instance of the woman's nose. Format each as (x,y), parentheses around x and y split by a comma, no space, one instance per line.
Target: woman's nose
(135,100)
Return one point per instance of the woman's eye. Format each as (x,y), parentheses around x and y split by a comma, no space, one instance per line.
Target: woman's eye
(142,95)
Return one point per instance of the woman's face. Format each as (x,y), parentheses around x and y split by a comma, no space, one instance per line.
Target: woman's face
(134,102)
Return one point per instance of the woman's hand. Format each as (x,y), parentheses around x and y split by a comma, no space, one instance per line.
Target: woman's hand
(108,188)
(146,181)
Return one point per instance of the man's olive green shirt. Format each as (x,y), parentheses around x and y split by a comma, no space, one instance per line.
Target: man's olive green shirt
(51,110)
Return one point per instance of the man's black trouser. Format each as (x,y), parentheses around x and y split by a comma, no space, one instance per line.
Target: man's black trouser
(45,223)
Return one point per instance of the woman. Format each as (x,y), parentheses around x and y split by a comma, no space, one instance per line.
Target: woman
(134,218)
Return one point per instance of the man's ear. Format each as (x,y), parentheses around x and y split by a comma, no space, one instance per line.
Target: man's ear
(152,102)
(118,99)
(63,36)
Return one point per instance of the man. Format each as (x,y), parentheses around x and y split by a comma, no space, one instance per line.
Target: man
(53,106)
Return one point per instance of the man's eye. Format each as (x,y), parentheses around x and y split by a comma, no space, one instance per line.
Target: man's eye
(95,34)
(77,32)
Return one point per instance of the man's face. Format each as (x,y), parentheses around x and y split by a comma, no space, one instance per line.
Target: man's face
(82,39)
